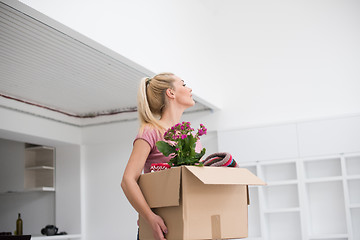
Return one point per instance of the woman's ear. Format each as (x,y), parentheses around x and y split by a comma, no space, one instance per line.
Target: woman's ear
(170,93)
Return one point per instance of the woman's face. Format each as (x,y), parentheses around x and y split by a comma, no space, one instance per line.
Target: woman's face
(183,93)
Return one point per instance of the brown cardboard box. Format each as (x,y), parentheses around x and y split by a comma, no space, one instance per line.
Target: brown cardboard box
(199,202)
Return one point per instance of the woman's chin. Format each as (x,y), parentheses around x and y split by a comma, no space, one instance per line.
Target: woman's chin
(191,104)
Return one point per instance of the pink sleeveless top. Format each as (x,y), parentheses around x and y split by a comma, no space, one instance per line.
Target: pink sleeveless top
(151,136)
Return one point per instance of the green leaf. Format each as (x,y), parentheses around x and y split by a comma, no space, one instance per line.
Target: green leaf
(200,154)
(165,148)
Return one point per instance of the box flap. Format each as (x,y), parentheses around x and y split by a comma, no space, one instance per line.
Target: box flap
(162,188)
(225,175)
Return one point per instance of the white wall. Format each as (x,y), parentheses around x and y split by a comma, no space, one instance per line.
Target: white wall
(68,195)
(261,61)
(31,205)
(12,157)
(285,61)
(108,215)
(24,127)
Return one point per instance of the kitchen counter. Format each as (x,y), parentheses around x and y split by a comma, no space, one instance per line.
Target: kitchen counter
(58,237)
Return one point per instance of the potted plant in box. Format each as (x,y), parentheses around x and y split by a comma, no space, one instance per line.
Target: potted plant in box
(180,144)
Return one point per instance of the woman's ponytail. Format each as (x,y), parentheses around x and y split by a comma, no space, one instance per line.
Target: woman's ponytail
(151,99)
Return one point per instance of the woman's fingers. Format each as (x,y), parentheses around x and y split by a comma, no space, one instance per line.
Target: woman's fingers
(160,228)
(163,227)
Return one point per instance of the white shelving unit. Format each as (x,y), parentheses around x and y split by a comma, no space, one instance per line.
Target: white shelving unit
(39,169)
(306,199)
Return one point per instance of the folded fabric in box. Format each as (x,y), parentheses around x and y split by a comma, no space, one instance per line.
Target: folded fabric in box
(159,166)
(222,159)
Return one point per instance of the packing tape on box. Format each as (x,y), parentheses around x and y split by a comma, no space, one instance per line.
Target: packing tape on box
(216,227)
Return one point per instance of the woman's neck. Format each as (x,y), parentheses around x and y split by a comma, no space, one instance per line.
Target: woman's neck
(170,117)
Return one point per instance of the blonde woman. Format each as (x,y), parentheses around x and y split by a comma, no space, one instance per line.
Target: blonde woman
(162,100)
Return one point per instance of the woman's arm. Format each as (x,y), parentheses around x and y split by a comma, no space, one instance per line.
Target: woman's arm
(140,152)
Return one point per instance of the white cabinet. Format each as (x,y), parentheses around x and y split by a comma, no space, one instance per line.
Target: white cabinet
(39,173)
(260,144)
(306,199)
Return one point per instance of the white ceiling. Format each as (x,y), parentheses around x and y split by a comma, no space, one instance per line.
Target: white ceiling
(49,70)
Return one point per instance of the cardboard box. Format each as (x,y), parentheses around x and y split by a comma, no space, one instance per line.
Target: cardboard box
(199,202)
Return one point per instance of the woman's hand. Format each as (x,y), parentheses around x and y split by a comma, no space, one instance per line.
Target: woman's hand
(158,227)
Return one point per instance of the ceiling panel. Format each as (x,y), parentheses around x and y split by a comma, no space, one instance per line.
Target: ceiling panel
(47,65)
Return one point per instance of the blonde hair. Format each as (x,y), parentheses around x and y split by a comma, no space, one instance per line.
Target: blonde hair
(152,100)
